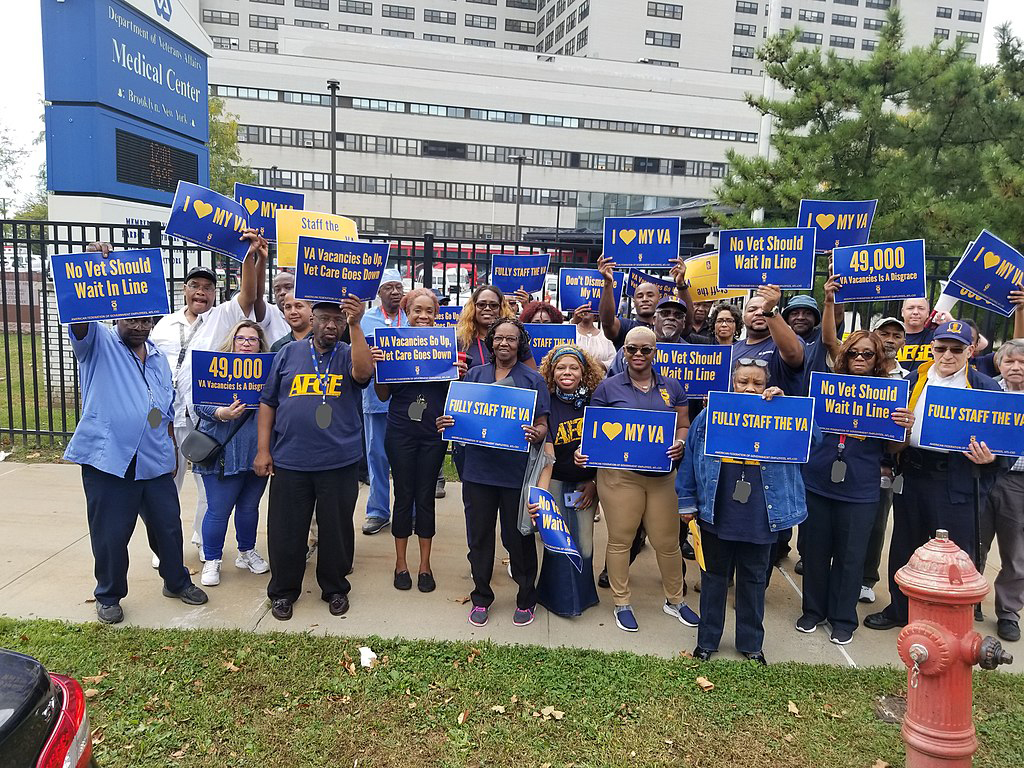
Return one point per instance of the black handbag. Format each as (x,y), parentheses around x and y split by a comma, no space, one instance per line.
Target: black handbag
(203,449)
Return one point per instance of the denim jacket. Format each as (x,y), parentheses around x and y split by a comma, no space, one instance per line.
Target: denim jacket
(239,454)
(698,482)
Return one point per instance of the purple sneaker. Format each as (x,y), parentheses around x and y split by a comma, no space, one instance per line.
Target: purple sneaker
(478,616)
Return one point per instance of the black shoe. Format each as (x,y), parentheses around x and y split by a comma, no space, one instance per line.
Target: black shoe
(112,614)
(602,580)
(1007,629)
(190,595)
(425,582)
(757,656)
(687,550)
(337,604)
(374,525)
(702,654)
(880,621)
(281,609)
(978,615)
(799,567)
(403,580)
(439,492)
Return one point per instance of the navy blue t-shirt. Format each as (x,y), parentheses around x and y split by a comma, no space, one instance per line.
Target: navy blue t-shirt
(626,324)
(790,380)
(916,349)
(734,521)
(565,432)
(294,389)
(434,394)
(497,466)
(476,354)
(863,459)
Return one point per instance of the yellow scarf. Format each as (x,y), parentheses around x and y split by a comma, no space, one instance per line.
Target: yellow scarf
(922,380)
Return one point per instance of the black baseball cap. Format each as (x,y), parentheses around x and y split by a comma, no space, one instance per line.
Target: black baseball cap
(201,272)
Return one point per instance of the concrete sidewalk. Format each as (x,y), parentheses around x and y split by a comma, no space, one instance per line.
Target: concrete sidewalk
(46,572)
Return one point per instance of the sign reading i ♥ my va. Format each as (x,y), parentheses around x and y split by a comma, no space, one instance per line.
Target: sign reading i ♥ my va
(491,415)
(742,426)
(545,336)
(553,530)
(641,241)
(333,270)
(628,438)
(635,278)
(125,284)
(415,354)
(859,405)
(749,258)
(699,368)
(953,416)
(262,204)
(991,269)
(513,272)
(838,222)
(579,287)
(220,378)
(880,272)
(208,219)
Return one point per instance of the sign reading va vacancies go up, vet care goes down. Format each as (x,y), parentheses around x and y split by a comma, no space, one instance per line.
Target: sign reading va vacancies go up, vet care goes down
(416,354)
(953,416)
(514,272)
(635,278)
(333,270)
(554,532)
(749,258)
(859,405)
(628,438)
(491,415)
(641,241)
(125,284)
(838,222)
(579,287)
(700,368)
(208,219)
(991,269)
(220,378)
(262,205)
(880,271)
(744,426)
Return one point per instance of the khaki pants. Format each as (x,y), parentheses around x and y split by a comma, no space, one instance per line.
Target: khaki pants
(628,499)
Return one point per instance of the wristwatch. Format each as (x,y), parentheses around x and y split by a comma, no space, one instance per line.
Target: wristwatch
(770,312)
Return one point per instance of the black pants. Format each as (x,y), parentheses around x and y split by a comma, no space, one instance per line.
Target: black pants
(751,563)
(835,537)
(873,558)
(485,504)
(293,495)
(415,463)
(113,505)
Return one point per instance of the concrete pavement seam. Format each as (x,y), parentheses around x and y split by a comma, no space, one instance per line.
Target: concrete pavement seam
(43,561)
(849,659)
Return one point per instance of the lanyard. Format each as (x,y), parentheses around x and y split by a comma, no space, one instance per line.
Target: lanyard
(480,349)
(746,462)
(141,366)
(840,448)
(387,318)
(186,342)
(316,367)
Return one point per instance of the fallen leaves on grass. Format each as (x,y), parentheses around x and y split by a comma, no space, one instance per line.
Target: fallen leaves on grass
(498,708)
(230,666)
(705,684)
(95,678)
(793,709)
(549,713)
(463,716)
(91,693)
(880,763)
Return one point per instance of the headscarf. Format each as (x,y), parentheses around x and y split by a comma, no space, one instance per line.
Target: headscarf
(581,395)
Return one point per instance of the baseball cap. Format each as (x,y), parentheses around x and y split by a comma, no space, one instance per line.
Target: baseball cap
(668,301)
(805,302)
(888,321)
(955,330)
(204,272)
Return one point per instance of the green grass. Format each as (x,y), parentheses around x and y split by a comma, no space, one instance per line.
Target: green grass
(17,392)
(216,698)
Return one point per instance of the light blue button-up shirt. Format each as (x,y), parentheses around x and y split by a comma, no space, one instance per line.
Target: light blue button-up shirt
(372,320)
(116,403)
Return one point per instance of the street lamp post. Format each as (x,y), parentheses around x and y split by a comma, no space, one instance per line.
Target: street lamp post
(273,177)
(559,202)
(518,160)
(332,86)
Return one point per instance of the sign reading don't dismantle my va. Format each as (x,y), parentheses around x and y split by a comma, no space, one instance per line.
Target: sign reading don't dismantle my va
(208,219)
(742,426)
(859,405)
(415,354)
(124,284)
(491,415)
(262,204)
(220,378)
(749,258)
(880,271)
(580,287)
(699,368)
(333,270)
(513,272)
(838,222)
(628,438)
(641,241)
(953,416)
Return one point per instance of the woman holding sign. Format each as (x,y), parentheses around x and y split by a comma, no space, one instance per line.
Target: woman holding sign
(231,483)
(486,304)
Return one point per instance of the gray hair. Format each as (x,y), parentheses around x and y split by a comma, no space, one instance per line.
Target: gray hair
(1013,347)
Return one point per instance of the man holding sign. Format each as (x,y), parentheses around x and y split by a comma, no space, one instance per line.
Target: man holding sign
(771,339)
(645,301)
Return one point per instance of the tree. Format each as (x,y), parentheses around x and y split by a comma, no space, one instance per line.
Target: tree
(938,139)
(36,206)
(11,155)
(226,166)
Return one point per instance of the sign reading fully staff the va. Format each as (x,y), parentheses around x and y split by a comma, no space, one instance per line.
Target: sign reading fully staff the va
(991,269)
(628,438)
(641,241)
(859,405)
(513,272)
(544,337)
(742,426)
(880,272)
(838,222)
(333,270)
(749,258)
(220,378)
(489,414)
(208,219)
(416,354)
(953,416)
(698,367)
(554,532)
(579,287)
(262,205)
(125,284)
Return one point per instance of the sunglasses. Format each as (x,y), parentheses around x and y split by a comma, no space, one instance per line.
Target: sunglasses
(864,354)
(632,349)
(487,305)
(755,361)
(940,350)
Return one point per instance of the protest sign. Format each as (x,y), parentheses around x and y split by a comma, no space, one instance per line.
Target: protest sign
(635,278)
(628,438)
(641,241)
(742,426)
(699,368)
(262,204)
(447,317)
(749,258)
(881,271)
(859,405)
(291,224)
(332,270)
(489,414)
(953,416)
(959,293)
(416,354)
(553,530)
(702,275)
(125,284)
(208,219)
(546,336)
(838,222)
(578,287)
(512,272)
(991,269)
(220,378)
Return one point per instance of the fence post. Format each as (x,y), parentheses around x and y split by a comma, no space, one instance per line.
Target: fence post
(428,259)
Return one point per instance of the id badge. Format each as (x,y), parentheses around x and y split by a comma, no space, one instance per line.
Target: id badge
(572,498)
(741,492)
(838,471)
(897,484)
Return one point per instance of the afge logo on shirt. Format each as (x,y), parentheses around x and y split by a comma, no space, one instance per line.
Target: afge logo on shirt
(309,384)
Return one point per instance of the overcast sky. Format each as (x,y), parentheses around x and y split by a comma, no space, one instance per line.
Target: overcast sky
(21,62)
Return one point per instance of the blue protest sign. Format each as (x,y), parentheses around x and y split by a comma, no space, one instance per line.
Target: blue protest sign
(579,287)
(261,204)
(220,378)
(838,222)
(208,219)
(125,284)
(859,405)
(959,293)
(447,316)
(744,426)
(416,354)
(699,368)
(635,278)
(512,272)
(991,269)
(641,241)
(953,416)
(332,270)
(546,336)
(554,532)
(489,414)
(628,438)
(880,271)
(749,258)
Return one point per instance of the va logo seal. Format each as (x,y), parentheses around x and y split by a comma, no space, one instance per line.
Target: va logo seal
(163,9)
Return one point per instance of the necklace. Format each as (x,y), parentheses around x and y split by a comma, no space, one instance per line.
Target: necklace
(641,387)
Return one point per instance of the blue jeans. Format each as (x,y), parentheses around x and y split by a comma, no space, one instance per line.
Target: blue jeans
(375,426)
(241,492)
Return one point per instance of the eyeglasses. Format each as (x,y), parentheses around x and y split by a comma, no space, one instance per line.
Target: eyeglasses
(139,322)
(247,340)
(195,285)
(939,351)
(506,339)
(633,349)
(725,321)
(755,361)
(863,354)
(487,305)
(327,322)
(677,314)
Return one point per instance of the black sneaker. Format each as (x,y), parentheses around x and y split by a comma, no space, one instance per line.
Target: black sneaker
(109,614)
(190,595)
(799,567)
(403,580)
(439,492)
(978,614)
(337,604)
(1007,629)
(807,624)
(602,580)
(281,609)
(687,550)
(425,582)
(702,654)
(841,636)
(757,656)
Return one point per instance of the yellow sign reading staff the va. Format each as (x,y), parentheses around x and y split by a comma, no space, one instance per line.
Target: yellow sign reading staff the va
(702,272)
(291,224)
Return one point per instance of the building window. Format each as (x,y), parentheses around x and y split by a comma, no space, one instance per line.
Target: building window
(742,52)
(398,12)
(813,38)
(874,24)
(397,33)
(883,4)
(970,37)
(665,10)
(818,17)
(354,28)
(970,16)
(868,45)
(312,24)
(264,22)
(518,47)
(741,71)
(943,12)
(439,38)
(660,62)
(483,2)
(355,6)
(438,17)
(846,2)
(319,5)
(745,7)
(220,17)
(838,41)
(941,34)
(518,25)
(271,2)
(478,43)
(262,46)
(482,22)
(225,43)
(584,9)
(842,20)
(663,39)
(787,13)
(745,30)
(582,38)
(527,5)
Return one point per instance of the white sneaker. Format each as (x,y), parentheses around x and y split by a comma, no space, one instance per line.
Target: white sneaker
(198,541)
(251,559)
(867,595)
(211,573)
(156,561)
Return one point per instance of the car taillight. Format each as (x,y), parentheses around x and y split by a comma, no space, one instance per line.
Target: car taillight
(70,744)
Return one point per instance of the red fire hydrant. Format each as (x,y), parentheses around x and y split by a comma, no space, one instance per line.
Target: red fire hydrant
(940,647)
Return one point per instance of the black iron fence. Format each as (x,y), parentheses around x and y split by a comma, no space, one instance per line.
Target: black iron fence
(39,391)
